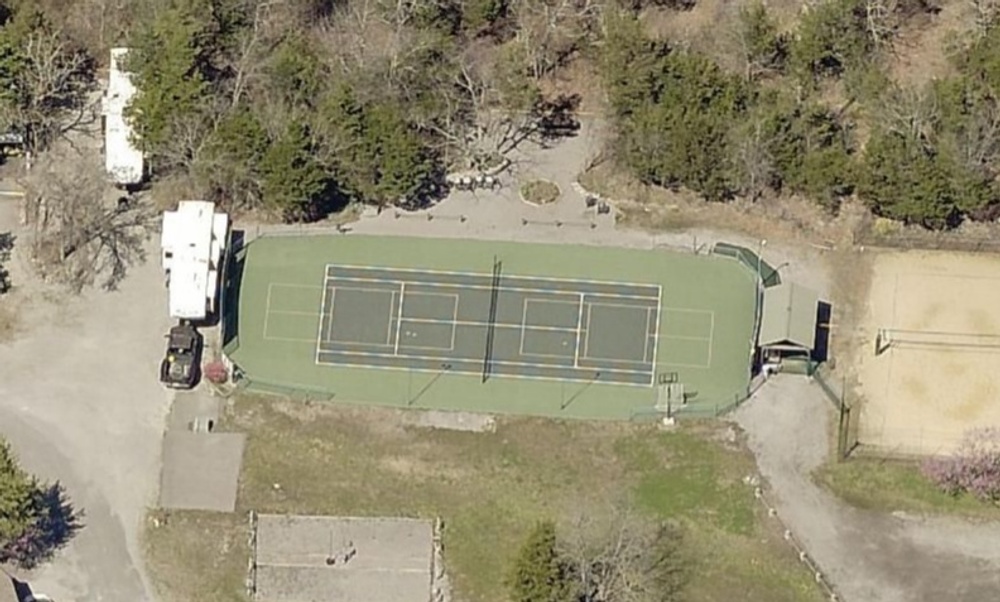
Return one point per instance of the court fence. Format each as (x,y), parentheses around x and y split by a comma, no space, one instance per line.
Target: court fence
(768,275)
(874,232)
(881,441)
(701,409)
(294,392)
(847,414)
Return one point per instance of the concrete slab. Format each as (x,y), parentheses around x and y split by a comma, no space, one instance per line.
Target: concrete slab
(303,558)
(200,471)
(189,405)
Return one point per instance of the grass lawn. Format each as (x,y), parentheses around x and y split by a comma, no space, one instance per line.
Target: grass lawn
(892,485)
(489,489)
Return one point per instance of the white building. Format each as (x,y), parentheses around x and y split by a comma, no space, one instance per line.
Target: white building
(193,244)
(125,163)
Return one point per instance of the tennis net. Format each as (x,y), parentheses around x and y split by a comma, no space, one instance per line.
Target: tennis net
(491,324)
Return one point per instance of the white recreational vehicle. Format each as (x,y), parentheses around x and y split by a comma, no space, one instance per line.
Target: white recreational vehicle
(125,164)
(193,245)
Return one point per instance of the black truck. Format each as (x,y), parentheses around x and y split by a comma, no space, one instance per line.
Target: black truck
(181,368)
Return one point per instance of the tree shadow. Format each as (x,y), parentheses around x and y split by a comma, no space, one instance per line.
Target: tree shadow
(55,523)
(557,118)
(6,245)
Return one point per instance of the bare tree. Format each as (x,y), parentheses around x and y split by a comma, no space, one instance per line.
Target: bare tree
(752,160)
(986,13)
(910,112)
(881,22)
(624,557)
(250,50)
(552,30)
(975,140)
(47,95)
(499,112)
(80,236)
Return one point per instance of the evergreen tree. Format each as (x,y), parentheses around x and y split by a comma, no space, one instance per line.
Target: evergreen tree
(539,574)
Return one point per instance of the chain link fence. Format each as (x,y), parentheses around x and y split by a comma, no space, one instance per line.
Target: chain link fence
(977,238)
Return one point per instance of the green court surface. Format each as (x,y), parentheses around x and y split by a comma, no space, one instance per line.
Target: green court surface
(487,326)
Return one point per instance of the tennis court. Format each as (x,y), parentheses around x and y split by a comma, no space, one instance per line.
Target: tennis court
(489,324)
(536,329)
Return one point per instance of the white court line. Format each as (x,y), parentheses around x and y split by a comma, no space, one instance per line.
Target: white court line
(322,318)
(454,320)
(454,302)
(524,320)
(483,274)
(291,340)
(445,358)
(559,355)
(586,340)
(327,316)
(388,327)
(361,289)
(525,328)
(621,305)
(399,317)
(267,310)
(434,321)
(645,338)
(689,310)
(681,337)
(283,285)
(478,370)
(656,333)
(602,360)
(502,289)
(579,332)
(406,345)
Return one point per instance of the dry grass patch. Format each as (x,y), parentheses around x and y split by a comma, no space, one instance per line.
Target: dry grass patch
(490,488)
(193,556)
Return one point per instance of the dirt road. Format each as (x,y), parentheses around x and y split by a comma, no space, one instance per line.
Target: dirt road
(81,404)
(869,557)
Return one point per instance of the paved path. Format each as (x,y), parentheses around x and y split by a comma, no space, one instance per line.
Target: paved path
(81,404)
(869,557)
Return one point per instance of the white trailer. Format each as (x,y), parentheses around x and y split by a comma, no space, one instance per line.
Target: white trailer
(124,163)
(193,244)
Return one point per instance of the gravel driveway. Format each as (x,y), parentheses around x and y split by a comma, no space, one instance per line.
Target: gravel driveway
(869,557)
(81,404)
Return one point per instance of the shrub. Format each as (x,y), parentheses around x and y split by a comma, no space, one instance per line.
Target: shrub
(540,192)
(216,373)
(973,469)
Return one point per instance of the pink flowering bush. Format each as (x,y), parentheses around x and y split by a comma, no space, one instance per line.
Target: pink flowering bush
(974,468)
(215,371)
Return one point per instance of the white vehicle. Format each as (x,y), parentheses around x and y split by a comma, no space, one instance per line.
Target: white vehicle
(125,164)
(193,245)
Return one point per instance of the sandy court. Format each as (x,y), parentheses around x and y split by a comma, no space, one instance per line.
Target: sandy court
(922,395)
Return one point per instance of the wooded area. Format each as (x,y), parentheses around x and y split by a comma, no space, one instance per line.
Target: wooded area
(301,107)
